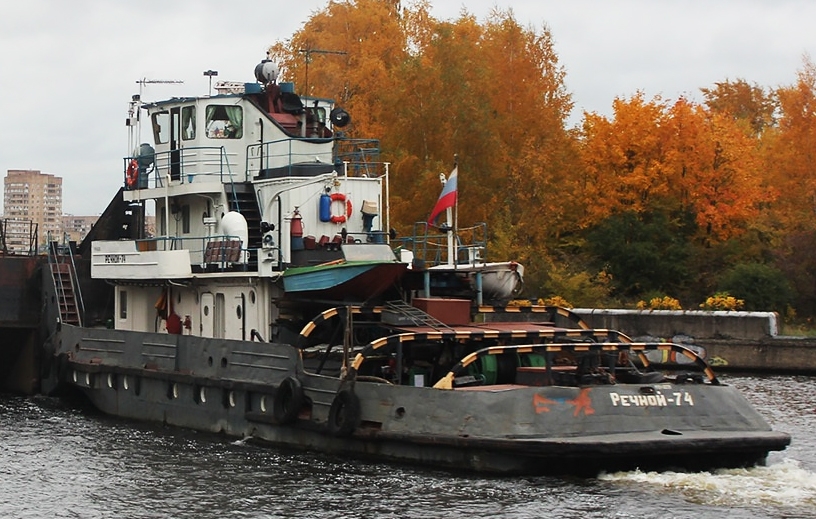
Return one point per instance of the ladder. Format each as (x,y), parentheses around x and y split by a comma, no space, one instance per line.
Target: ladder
(416,316)
(63,273)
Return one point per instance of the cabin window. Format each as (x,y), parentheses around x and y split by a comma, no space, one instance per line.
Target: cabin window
(123,304)
(188,123)
(225,122)
(161,127)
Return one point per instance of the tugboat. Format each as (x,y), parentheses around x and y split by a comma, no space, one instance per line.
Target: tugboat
(271,304)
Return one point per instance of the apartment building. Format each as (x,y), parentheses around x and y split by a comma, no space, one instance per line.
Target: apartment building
(31,200)
(77,227)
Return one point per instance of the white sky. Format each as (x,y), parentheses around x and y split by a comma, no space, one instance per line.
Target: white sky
(68,69)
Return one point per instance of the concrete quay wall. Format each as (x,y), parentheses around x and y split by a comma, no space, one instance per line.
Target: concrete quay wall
(692,323)
(728,341)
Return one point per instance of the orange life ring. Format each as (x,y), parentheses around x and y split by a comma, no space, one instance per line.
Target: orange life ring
(132,175)
(340,218)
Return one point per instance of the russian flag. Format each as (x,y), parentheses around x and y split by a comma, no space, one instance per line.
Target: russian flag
(447,198)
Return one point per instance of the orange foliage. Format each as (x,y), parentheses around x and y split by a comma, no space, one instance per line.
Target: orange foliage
(790,160)
(652,156)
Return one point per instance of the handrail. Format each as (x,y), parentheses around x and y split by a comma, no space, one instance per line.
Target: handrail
(77,289)
(188,159)
(59,286)
(432,248)
(12,228)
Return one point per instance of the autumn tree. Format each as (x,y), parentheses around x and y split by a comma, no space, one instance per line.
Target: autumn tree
(748,104)
(790,158)
(348,52)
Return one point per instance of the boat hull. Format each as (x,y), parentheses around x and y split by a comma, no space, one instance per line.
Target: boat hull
(356,281)
(209,385)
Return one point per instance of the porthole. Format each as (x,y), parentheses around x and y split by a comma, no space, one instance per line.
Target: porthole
(252,296)
(126,383)
(175,390)
(232,399)
(202,395)
(263,404)
(238,311)
(87,379)
(223,362)
(111,381)
(74,376)
(206,310)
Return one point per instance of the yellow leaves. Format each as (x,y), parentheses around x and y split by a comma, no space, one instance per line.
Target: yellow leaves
(660,303)
(722,301)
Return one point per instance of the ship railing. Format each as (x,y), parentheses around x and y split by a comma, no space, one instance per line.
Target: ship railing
(182,166)
(18,236)
(220,252)
(292,156)
(360,156)
(429,245)
(284,156)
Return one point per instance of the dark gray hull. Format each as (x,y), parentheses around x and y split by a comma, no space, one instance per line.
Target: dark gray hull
(230,387)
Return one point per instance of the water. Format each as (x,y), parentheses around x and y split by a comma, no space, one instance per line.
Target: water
(59,461)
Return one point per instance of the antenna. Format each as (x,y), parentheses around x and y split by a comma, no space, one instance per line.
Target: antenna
(308,53)
(144,81)
(133,123)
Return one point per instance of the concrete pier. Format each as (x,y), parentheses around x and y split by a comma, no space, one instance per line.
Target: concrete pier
(729,341)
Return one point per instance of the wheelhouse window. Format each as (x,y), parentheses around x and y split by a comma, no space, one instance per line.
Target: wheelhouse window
(161,127)
(224,122)
(188,123)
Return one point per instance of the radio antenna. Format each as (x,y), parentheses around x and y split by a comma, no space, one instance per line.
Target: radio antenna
(308,53)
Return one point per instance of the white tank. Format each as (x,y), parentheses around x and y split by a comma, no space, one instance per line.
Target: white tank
(233,224)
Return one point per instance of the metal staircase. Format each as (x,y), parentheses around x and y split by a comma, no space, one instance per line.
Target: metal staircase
(413,315)
(241,198)
(66,287)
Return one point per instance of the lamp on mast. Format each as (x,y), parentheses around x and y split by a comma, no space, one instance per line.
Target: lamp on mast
(210,74)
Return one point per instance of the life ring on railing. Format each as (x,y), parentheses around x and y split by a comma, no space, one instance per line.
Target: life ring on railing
(340,218)
(132,174)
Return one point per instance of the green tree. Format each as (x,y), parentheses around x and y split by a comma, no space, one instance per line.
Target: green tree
(762,287)
(642,253)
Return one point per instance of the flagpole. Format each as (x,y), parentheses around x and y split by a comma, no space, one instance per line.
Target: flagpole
(456,205)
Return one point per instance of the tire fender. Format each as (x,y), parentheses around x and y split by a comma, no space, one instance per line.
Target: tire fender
(344,415)
(288,400)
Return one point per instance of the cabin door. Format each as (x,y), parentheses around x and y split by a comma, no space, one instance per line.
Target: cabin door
(207,315)
(175,143)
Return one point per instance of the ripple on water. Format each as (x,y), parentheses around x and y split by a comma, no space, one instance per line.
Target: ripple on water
(56,461)
(785,484)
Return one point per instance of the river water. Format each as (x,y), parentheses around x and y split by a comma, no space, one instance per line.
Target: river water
(58,460)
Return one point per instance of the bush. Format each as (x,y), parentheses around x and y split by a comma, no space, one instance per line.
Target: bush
(660,303)
(761,287)
(555,301)
(722,301)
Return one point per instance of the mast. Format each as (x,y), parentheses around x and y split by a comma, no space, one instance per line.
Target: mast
(452,215)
